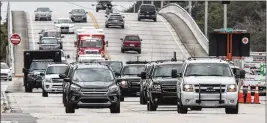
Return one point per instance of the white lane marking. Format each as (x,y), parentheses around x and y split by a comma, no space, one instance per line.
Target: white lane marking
(173,37)
(33,43)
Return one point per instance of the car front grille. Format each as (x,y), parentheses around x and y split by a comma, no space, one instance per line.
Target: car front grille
(210,88)
(64,27)
(94,90)
(135,83)
(168,88)
(57,80)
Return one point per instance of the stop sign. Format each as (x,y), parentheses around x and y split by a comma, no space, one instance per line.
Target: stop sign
(15,39)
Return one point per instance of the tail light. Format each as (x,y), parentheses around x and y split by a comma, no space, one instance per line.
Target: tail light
(81,52)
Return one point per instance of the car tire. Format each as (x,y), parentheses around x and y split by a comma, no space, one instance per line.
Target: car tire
(139,51)
(196,108)
(151,106)
(122,98)
(44,93)
(234,110)
(64,99)
(181,109)
(69,108)
(10,79)
(106,26)
(155,19)
(142,98)
(28,88)
(96,10)
(139,19)
(115,108)
(122,51)
(36,19)
(49,19)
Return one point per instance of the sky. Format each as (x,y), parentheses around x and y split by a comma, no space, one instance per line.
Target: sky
(29,7)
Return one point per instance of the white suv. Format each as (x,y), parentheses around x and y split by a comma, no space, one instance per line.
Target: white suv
(6,73)
(206,83)
(52,83)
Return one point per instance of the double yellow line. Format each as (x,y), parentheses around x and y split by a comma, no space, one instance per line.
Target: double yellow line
(97,27)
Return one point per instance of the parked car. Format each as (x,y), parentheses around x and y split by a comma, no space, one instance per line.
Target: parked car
(6,72)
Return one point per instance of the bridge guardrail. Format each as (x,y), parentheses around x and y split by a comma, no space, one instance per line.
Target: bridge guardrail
(186,17)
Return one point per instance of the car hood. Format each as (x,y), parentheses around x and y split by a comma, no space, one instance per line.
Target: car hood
(64,24)
(52,76)
(130,77)
(43,12)
(37,72)
(95,84)
(166,81)
(209,80)
(5,70)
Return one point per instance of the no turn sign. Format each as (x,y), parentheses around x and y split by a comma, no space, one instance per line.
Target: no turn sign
(15,39)
(245,40)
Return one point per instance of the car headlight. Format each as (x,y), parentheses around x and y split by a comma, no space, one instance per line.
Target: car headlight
(231,88)
(157,86)
(124,83)
(75,88)
(48,80)
(113,88)
(188,88)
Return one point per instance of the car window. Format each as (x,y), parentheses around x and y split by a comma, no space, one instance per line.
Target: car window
(52,34)
(85,44)
(56,70)
(147,8)
(43,9)
(93,75)
(115,66)
(4,66)
(78,11)
(131,38)
(133,70)
(208,69)
(165,70)
(49,41)
(38,66)
(64,21)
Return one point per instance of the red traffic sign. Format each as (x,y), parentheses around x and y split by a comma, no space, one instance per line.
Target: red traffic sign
(245,40)
(15,39)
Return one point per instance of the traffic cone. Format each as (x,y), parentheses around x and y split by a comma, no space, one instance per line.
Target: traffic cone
(248,98)
(256,95)
(241,95)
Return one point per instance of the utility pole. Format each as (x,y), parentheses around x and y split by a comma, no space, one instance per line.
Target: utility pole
(225,13)
(206,18)
(134,7)
(190,7)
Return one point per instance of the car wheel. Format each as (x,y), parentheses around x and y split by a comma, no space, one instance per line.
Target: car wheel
(44,93)
(96,10)
(181,109)
(151,106)
(155,19)
(64,99)
(115,108)
(196,108)
(122,98)
(10,79)
(28,88)
(122,27)
(69,108)
(233,110)
(122,51)
(36,19)
(5,79)
(139,19)
(139,51)
(106,26)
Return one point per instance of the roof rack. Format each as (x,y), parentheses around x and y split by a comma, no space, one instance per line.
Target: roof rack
(137,62)
(211,57)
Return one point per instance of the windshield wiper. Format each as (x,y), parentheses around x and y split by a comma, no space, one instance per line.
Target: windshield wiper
(163,76)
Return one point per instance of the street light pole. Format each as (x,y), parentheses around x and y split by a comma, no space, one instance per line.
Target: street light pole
(206,18)
(225,16)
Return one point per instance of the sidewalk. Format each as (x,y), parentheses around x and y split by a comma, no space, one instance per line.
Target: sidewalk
(4,100)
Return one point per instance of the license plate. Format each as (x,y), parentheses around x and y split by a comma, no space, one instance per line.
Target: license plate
(209,103)
(64,30)
(137,93)
(132,45)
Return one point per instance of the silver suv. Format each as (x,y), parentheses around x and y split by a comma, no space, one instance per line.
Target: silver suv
(78,15)
(206,83)
(52,83)
(43,13)
(114,19)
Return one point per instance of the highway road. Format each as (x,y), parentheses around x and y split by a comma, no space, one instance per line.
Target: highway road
(159,41)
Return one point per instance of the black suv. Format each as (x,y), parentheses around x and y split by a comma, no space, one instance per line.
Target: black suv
(91,85)
(161,87)
(116,66)
(130,80)
(147,11)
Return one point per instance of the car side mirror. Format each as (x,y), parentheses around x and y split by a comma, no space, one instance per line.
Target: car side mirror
(174,73)
(106,43)
(66,79)
(42,74)
(93,4)
(62,76)
(143,75)
(242,74)
(69,12)
(106,16)
(141,40)
(38,43)
(10,68)
(68,56)
(62,36)
(35,11)
(75,43)
(121,39)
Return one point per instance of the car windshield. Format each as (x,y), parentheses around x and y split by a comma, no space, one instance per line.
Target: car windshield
(133,70)
(64,21)
(165,70)
(116,66)
(52,34)
(147,8)
(78,11)
(132,38)
(38,66)
(49,41)
(208,69)
(4,66)
(93,75)
(85,44)
(56,70)
(43,9)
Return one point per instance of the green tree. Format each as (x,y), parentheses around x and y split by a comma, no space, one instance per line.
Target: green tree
(3,41)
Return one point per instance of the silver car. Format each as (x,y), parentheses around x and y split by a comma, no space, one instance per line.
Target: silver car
(206,83)
(114,19)
(78,15)
(43,13)
(49,43)
(6,73)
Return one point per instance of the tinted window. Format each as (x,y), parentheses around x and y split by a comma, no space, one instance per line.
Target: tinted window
(165,70)
(56,70)
(49,41)
(116,66)
(43,9)
(52,34)
(78,11)
(210,69)
(133,70)
(64,21)
(91,44)
(132,38)
(38,66)
(147,8)
(4,66)
(93,75)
